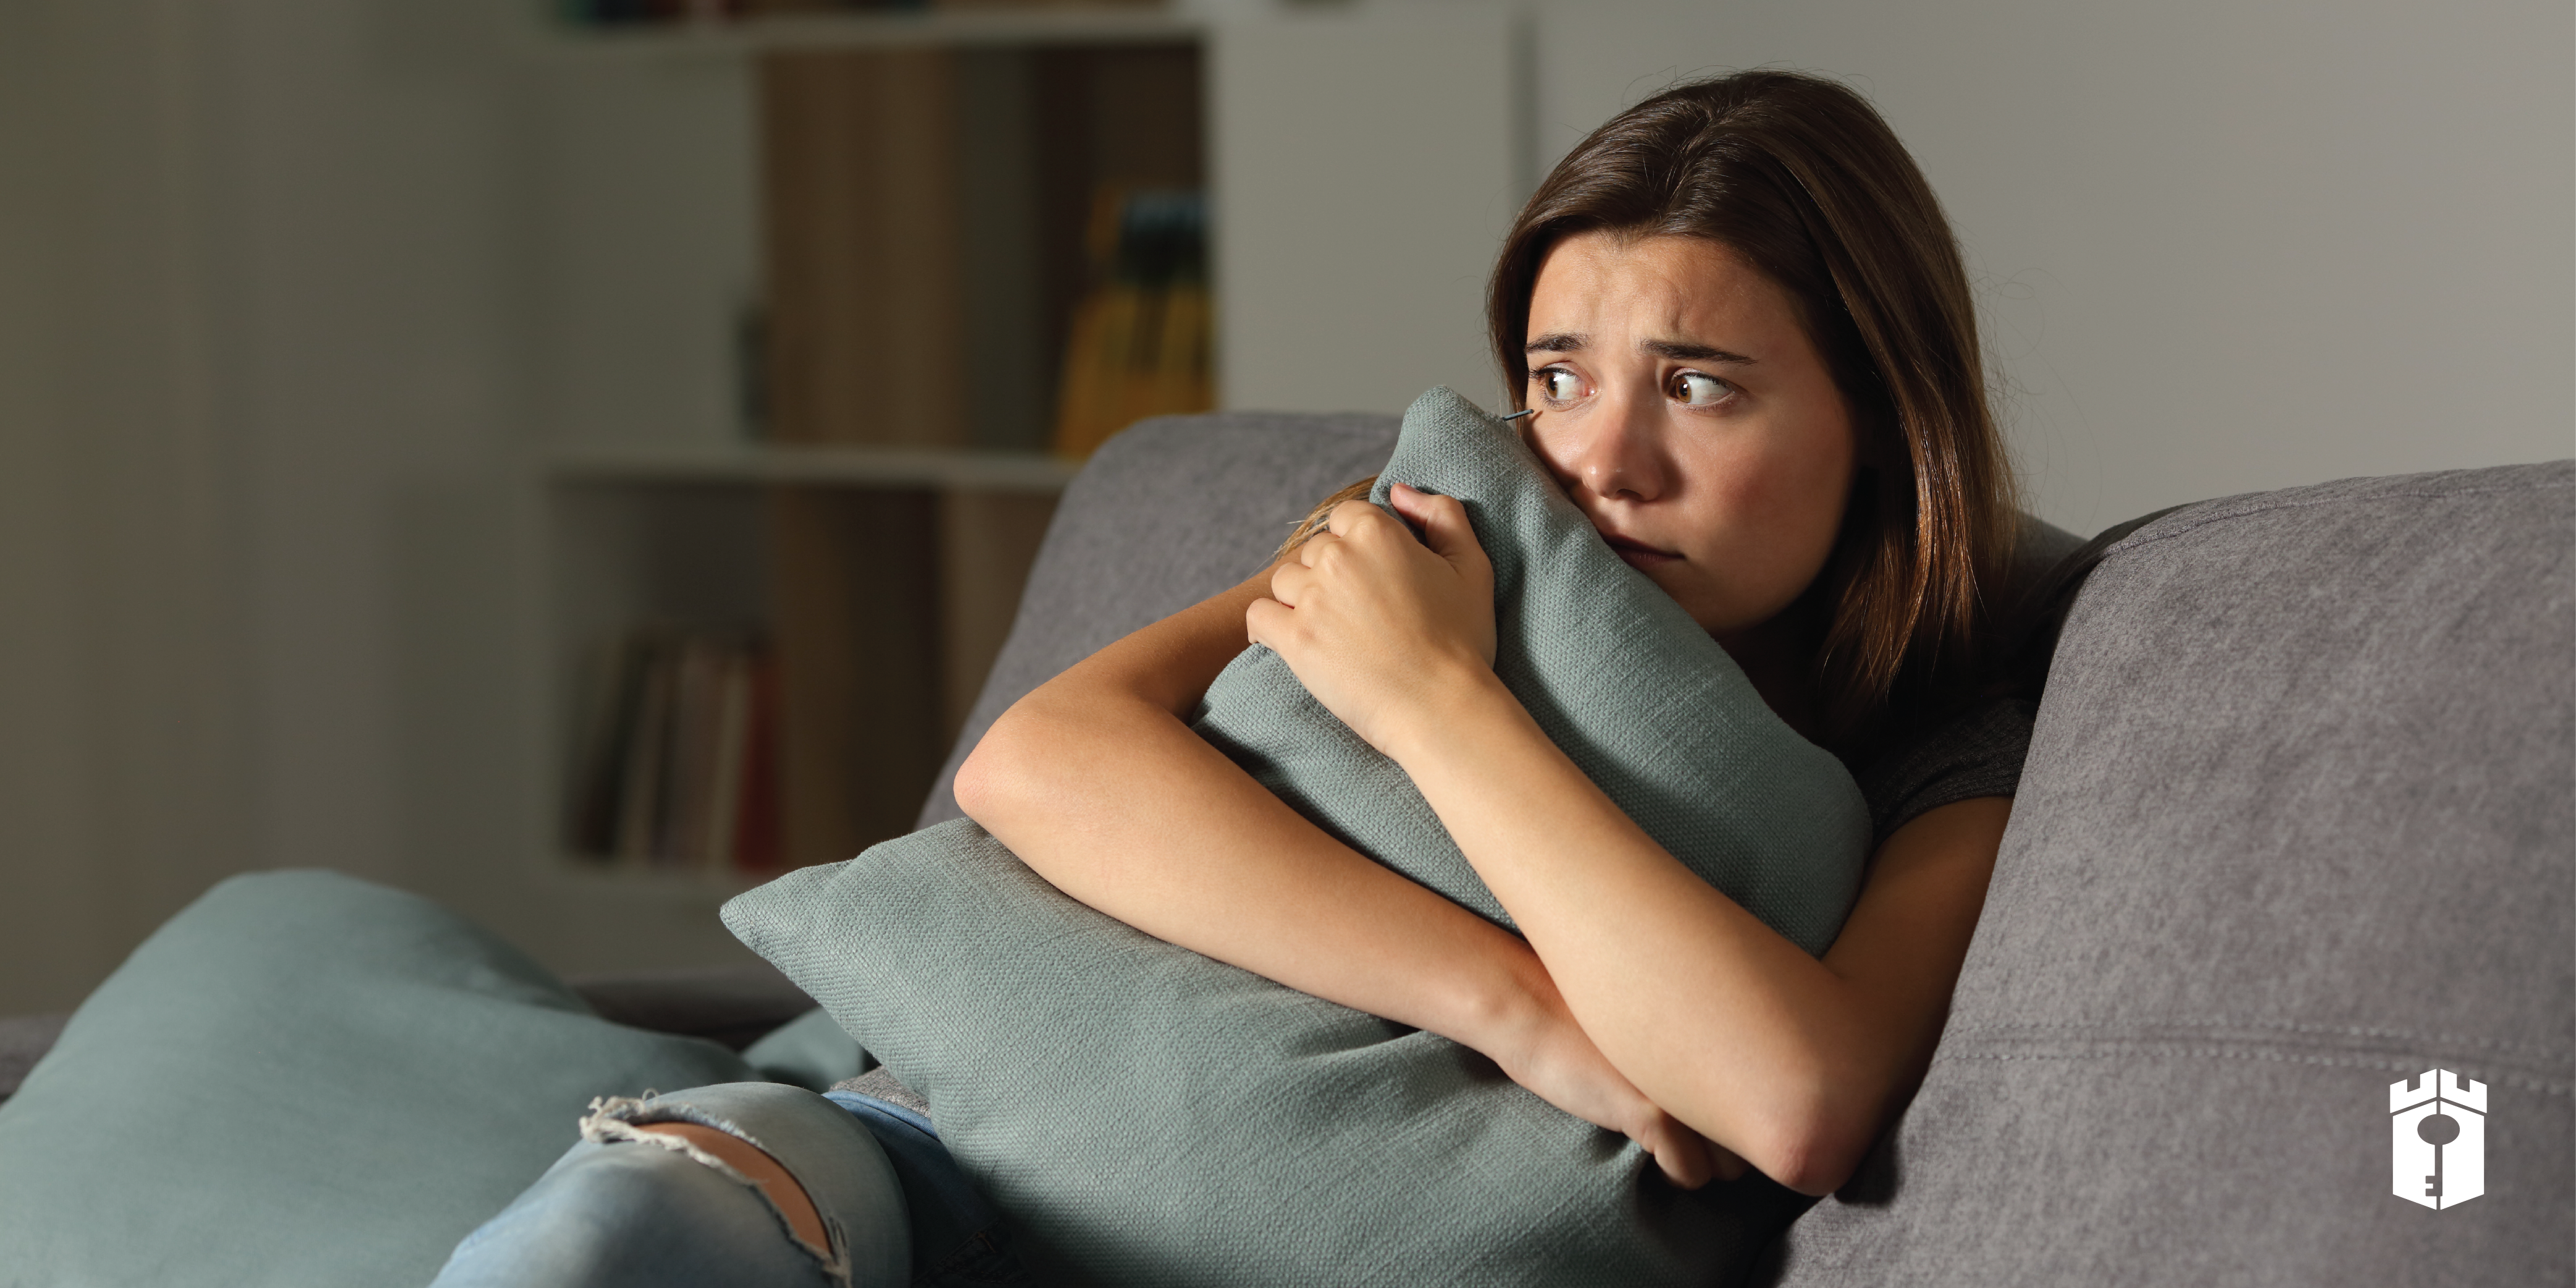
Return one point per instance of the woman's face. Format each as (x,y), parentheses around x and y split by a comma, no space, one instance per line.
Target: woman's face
(1681,405)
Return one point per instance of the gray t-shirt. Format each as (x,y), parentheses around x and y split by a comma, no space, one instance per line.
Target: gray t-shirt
(1977,752)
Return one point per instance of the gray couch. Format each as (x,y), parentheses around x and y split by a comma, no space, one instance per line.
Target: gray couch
(2298,823)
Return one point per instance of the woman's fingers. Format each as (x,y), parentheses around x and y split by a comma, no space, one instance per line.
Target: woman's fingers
(1682,1154)
(1375,623)
(1539,1046)
(1447,532)
(1444,526)
(1316,545)
(1263,620)
(1288,582)
(1353,516)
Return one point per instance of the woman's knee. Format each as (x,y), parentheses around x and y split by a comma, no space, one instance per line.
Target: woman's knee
(736,1183)
(741,1160)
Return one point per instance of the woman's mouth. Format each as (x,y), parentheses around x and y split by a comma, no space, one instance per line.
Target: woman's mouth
(1638,554)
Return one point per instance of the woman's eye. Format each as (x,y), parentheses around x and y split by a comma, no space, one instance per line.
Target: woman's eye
(1558,385)
(1695,389)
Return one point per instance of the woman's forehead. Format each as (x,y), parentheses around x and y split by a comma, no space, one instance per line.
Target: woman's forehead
(1605,289)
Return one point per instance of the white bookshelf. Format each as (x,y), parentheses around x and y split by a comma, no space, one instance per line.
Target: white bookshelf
(659,504)
(683,537)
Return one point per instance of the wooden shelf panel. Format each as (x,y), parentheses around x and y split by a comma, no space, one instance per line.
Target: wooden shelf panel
(845,466)
(892,30)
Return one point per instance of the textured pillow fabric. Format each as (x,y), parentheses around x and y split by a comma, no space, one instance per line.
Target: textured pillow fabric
(1171,511)
(304,1079)
(811,1051)
(1150,1116)
(2297,827)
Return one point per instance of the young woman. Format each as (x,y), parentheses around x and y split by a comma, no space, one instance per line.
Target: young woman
(1742,326)
(1740,322)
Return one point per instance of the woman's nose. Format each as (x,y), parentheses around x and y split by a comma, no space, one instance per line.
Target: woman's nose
(1619,457)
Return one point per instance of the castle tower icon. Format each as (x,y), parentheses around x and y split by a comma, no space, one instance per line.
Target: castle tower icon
(2437,1139)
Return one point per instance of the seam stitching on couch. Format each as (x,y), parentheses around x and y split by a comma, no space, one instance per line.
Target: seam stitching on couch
(2140,539)
(2211,1027)
(2152,1049)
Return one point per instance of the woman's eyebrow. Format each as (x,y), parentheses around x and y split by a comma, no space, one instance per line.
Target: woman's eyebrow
(1685,351)
(1556,342)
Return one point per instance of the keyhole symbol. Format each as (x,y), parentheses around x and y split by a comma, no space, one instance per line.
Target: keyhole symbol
(2436,1130)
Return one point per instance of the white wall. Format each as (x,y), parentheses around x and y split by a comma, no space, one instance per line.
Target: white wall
(123,645)
(2221,246)
(1365,168)
(269,326)
(647,250)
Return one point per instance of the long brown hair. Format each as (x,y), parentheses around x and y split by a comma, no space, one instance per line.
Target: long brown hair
(1802,177)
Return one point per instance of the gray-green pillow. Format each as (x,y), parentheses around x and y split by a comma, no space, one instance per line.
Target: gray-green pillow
(1150,1116)
(304,1079)
(811,1051)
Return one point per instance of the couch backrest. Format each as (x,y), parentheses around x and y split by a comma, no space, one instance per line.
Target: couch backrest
(2297,825)
(1169,512)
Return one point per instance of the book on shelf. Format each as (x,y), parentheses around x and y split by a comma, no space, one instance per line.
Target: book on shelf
(679,755)
(1141,342)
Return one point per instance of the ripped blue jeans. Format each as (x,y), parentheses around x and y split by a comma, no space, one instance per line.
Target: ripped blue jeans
(645,1209)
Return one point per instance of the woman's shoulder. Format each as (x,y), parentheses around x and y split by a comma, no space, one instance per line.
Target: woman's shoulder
(2049,567)
(1940,748)
(1948,747)
(1960,754)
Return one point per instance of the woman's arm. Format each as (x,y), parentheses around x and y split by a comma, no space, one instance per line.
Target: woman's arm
(1095,782)
(1792,1062)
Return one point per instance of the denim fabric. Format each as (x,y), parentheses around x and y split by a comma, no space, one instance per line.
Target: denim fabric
(636,1217)
(628,1207)
(624,1208)
(958,1240)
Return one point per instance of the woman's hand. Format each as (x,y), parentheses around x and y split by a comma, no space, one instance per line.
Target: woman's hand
(1375,623)
(1539,1046)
